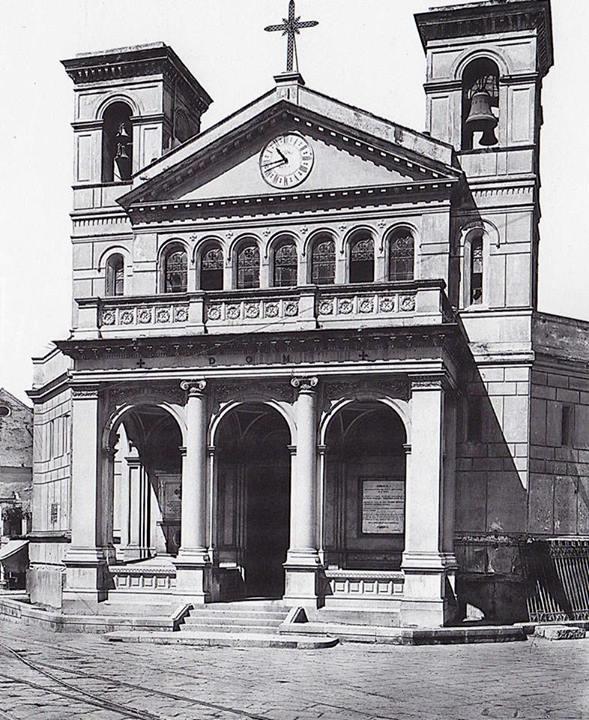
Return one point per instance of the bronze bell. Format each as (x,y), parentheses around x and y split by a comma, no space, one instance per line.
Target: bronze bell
(481,118)
(122,153)
(122,132)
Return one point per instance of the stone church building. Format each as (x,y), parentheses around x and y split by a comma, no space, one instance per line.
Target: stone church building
(306,360)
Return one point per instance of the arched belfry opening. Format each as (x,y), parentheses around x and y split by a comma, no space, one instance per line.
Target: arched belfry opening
(480,104)
(117,143)
(147,483)
(364,492)
(253,500)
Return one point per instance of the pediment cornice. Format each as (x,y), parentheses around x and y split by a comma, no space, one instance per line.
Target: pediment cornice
(187,166)
(370,196)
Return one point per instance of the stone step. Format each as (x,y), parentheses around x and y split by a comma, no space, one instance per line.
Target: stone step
(221,615)
(234,628)
(232,621)
(219,639)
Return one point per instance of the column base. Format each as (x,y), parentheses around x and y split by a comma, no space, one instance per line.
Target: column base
(193,576)
(429,598)
(87,579)
(302,578)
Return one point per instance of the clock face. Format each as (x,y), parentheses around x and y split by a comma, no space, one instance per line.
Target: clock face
(286,161)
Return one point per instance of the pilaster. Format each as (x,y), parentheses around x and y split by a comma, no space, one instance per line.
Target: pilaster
(87,558)
(428,565)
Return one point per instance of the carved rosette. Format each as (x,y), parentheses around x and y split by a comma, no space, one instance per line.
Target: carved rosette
(408,303)
(291,308)
(305,384)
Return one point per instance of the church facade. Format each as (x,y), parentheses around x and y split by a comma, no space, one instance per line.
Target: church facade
(306,361)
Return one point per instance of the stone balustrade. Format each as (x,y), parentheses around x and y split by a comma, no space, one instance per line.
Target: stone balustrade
(235,311)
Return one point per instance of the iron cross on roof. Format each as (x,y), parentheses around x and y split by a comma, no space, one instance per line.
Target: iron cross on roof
(292,27)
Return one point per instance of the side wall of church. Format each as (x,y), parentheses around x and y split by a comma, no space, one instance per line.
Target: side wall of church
(559,453)
(51,485)
(492,488)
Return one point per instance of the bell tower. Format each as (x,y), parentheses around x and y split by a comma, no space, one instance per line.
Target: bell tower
(132,105)
(485,66)
(486,62)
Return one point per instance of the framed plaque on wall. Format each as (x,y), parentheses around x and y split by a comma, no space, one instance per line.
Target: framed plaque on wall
(382,506)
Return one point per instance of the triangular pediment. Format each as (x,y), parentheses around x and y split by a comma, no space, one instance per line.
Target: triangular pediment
(349,149)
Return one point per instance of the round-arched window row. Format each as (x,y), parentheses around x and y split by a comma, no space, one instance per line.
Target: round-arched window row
(284,260)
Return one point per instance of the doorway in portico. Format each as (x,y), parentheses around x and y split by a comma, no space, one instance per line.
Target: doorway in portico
(253,498)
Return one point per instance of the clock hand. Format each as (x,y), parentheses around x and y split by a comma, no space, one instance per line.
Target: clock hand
(275,162)
(282,155)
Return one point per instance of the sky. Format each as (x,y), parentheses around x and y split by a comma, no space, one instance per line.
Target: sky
(364,52)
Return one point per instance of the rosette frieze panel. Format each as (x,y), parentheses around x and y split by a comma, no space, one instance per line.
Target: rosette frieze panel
(375,304)
(253,310)
(144,314)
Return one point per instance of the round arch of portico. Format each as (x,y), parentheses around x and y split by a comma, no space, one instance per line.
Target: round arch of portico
(117,416)
(400,407)
(254,399)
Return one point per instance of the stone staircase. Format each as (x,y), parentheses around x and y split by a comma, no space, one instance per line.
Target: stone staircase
(238,617)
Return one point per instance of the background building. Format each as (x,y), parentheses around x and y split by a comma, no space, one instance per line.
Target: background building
(16,480)
(306,360)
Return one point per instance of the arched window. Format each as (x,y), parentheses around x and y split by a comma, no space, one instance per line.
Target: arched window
(323,261)
(117,143)
(115,275)
(211,267)
(285,264)
(401,255)
(480,104)
(362,259)
(248,266)
(175,270)
(476,269)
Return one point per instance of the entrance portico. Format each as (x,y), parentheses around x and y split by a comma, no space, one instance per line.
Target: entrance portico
(264,509)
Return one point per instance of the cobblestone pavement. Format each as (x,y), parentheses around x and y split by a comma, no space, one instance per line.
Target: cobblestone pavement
(41,676)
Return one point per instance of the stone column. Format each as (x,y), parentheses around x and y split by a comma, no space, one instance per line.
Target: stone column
(193,563)
(138,547)
(302,561)
(86,557)
(425,563)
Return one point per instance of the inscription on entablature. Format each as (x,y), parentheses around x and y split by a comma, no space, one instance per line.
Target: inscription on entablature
(270,351)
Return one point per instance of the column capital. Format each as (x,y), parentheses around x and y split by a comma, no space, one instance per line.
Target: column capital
(85,392)
(429,382)
(305,384)
(194,388)
(407,449)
